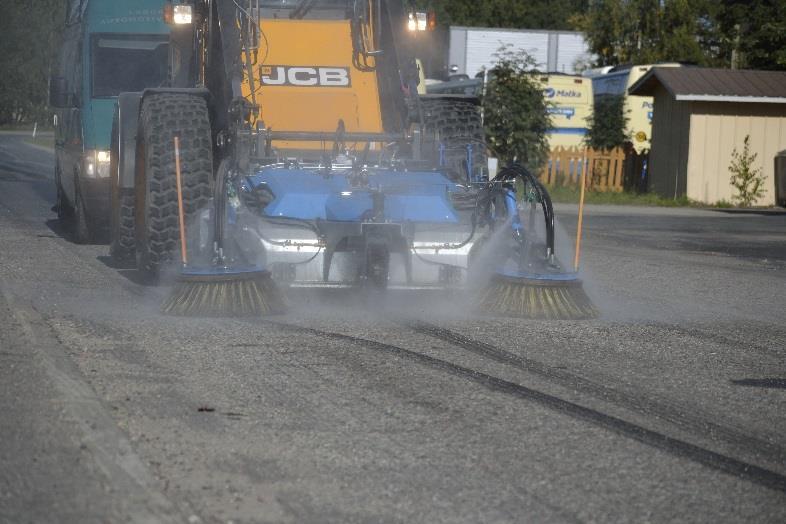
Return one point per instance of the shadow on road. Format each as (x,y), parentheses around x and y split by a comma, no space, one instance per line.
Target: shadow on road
(110,262)
(64,229)
(61,228)
(774,383)
(126,269)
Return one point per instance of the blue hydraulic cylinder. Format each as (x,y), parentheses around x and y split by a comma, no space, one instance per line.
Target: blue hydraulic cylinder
(513,211)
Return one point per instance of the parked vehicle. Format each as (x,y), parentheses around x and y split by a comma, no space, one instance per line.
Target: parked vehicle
(107,47)
(638,109)
(471,49)
(570,104)
(569,98)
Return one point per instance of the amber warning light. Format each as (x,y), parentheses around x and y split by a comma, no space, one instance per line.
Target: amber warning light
(431,19)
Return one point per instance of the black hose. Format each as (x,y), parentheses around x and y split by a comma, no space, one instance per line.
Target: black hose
(514,171)
(307,261)
(435,263)
(219,206)
(291,221)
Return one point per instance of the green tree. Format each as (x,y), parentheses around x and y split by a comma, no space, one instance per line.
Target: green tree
(644,31)
(680,31)
(721,33)
(607,124)
(606,24)
(534,14)
(515,111)
(751,34)
(28,32)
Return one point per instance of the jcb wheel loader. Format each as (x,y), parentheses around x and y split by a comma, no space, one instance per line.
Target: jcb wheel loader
(306,150)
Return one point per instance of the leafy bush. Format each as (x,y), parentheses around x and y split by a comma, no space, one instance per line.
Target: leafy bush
(515,112)
(607,123)
(747,180)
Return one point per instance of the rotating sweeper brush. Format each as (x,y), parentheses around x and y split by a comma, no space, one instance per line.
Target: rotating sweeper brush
(525,295)
(219,288)
(528,281)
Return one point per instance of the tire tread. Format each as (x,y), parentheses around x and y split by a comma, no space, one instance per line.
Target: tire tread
(162,117)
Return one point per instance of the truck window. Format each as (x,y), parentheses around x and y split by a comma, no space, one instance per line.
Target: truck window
(313,4)
(307,9)
(124,63)
(610,84)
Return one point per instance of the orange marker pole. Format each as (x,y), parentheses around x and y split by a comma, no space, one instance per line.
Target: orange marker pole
(183,251)
(581,213)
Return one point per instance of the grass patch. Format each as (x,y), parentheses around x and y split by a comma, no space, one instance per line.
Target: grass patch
(26,127)
(570,195)
(43,141)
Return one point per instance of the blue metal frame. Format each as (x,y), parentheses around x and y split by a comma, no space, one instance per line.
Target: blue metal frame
(348,195)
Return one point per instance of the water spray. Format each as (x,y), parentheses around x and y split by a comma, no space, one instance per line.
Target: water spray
(219,290)
(532,284)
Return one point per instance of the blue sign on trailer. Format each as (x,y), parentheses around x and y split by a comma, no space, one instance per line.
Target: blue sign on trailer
(108,47)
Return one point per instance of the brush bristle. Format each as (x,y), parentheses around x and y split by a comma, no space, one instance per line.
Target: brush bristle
(536,299)
(225,296)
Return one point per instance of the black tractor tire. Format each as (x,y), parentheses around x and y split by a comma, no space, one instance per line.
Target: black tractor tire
(122,241)
(454,124)
(156,229)
(121,217)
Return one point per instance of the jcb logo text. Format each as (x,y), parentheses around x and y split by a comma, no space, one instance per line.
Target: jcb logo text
(304,76)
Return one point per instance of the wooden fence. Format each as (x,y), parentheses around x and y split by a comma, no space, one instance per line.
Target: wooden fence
(604,168)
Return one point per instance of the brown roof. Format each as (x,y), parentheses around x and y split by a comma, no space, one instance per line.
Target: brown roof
(715,85)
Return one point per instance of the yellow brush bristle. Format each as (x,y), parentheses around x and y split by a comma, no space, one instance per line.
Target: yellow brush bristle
(222,296)
(527,298)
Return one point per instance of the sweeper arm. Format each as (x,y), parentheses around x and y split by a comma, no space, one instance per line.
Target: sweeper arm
(534,285)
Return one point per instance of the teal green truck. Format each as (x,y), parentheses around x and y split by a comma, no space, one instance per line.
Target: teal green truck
(107,47)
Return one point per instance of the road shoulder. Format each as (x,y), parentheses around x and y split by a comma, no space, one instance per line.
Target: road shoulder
(99,467)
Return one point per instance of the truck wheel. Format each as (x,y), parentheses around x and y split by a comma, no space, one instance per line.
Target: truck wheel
(81,229)
(454,124)
(156,227)
(121,218)
(62,206)
(122,242)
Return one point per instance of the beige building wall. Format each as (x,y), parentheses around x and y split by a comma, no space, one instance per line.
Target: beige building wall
(670,145)
(716,129)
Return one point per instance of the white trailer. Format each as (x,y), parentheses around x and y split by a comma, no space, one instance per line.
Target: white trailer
(473,48)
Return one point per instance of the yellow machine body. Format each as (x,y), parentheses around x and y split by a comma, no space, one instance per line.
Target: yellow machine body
(305,80)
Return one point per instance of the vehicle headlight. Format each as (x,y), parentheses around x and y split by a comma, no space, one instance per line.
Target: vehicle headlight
(421,21)
(182,14)
(178,14)
(412,23)
(96,163)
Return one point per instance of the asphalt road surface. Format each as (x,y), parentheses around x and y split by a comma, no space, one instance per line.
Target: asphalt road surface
(671,407)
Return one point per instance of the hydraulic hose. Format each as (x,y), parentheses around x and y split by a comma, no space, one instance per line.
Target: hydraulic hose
(219,209)
(514,171)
